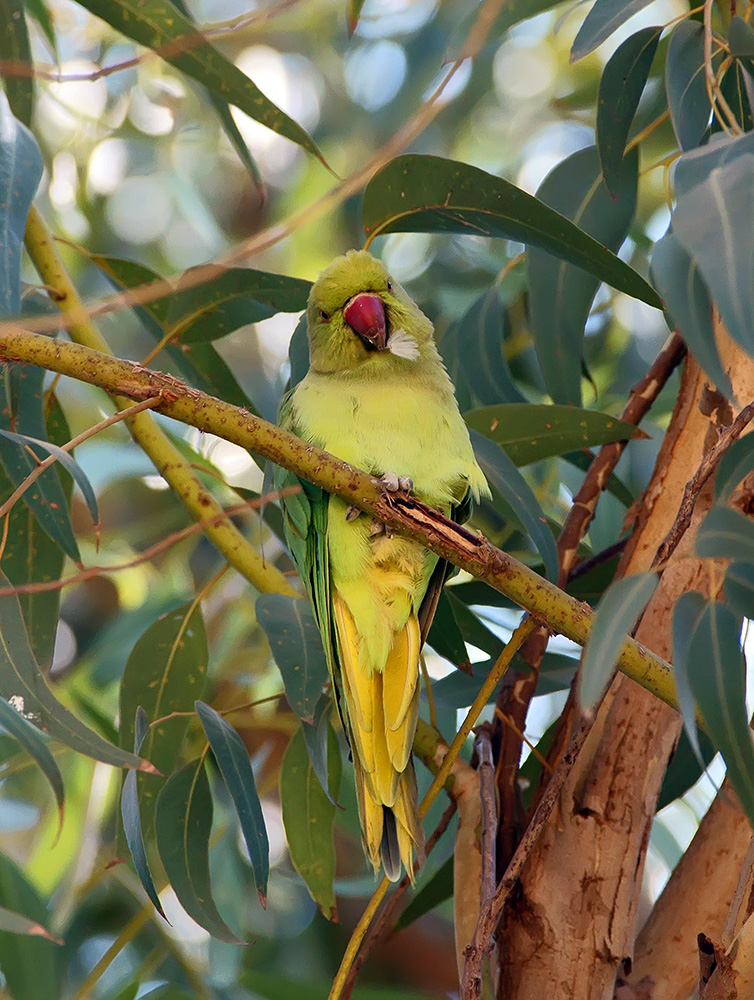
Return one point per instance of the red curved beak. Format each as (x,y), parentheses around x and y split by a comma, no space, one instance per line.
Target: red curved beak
(365,314)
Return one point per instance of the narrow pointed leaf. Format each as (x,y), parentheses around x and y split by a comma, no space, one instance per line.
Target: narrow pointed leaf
(687,613)
(605,17)
(15,923)
(735,465)
(739,588)
(308,816)
(23,685)
(416,193)
(30,963)
(353,11)
(503,476)
(296,645)
(726,533)
(40,13)
(616,614)
(530,432)
(233,761)
(714,221)
(561,295)
(30,739)
(621,86)
(684,769)
(740,38)
(677,278)
(20,173)
(733,88)
(445,637)
(131,818)
(436,891)
(15,52)
(480,345)
(164,674)
(183,822)
(67,461)
(316,736)
(685,85)
(159,25)
(716,674)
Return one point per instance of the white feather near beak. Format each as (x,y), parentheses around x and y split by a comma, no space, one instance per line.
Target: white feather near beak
(402,345)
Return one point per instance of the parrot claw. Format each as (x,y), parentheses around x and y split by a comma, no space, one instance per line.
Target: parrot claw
(352,513)
(397,484)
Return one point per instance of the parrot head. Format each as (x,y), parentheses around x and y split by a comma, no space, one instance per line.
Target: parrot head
(357,315)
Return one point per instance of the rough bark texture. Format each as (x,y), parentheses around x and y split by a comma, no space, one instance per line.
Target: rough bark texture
(570,924)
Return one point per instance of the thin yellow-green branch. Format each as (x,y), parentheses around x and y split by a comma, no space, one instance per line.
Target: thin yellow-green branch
(154,442)
(404,515)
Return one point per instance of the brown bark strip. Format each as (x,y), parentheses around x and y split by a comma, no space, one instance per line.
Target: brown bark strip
(488,802)
(516,694)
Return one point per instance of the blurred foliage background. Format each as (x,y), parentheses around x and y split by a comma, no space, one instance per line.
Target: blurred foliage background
(138,166)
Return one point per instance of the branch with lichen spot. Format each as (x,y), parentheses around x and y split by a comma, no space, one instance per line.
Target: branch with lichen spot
(400,513)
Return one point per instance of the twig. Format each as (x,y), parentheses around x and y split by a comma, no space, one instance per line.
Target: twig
(693,488)
(381,928)
(714,93)
(481,945)
(488,799)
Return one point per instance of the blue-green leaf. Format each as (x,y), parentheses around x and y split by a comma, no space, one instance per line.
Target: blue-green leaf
(30,964)
(677,278)
(15,52)
(687,613)
(296,645)
(736,463)
(428,194)
(445,636)
(697,165)
(316,735)
(739,588)
(617,613)
(31,740)
(740,38)
(502,475)
(685,84)
(717,678)
(715,223)
(20,173)
(480,347)
(621,86)
(561,295)
(605,17)
(233,761)
(131,817)
(435,891)
(183,822)
(726,533)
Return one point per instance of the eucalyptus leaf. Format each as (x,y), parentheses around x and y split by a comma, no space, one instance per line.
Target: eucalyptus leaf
(31,740)
(417,193)
(605,17)
(30,963)
(739,588)
(432,893)
(445,636)
(685,84)
(740,38)
(20,173)
(15,52)
(726,533)
(737,462)
(687,613)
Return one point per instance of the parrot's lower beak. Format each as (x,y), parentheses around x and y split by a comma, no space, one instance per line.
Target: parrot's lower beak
(365,314)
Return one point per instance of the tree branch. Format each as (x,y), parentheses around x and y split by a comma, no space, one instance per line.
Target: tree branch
(404,515)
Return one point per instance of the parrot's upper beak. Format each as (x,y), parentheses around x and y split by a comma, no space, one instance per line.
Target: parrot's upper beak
(365,314)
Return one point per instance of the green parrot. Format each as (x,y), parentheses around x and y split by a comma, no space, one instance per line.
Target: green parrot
(377,396)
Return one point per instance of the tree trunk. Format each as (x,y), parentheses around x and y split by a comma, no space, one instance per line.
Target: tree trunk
(570,924)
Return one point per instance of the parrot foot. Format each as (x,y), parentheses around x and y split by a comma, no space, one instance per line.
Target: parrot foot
(352,513)
(397,484)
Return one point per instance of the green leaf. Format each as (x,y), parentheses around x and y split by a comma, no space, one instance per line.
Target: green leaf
(22,406)
(316,735)
(308,816)
(739,588)
(616,614)
(696,166)
(159,25)
(684,769)
(530,432)
(71,466)
(621,86)
(415,193)
(685,85)
(353,11)
(223,319)
(466,44)
(677,278)
(16,52)
(30,964)
(131,817)
(503,476)
(273,986)
(740,38)
(445,637)
(164,674)
(296,645)
(41,15)
(715,223)
(31,556)
(716,675)
(183,822)
(435,891)
(736,463)
(687,613)
(733,90)
(726,534)
(473,628)
(605,17)
(233,761)
(480,348)
(30,739)
(23,685)
(20,173)
(15,923)
(560,295)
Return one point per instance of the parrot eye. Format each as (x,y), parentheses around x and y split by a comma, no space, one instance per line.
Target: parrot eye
(390,286)
(325,317)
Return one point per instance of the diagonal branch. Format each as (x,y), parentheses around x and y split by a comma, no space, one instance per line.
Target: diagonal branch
(404,515)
